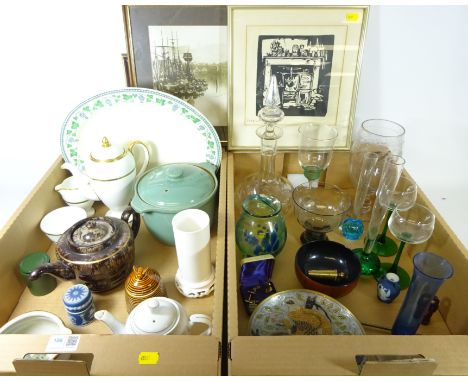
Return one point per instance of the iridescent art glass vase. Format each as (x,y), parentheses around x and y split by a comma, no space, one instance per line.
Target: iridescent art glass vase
(261,229)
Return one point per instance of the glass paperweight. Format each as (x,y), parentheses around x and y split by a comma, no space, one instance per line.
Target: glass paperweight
(266,181)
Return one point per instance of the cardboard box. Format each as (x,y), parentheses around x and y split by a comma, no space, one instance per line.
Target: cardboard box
(101,352)
(444,341)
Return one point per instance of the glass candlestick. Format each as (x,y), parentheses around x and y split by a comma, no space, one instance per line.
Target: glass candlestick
(267,181)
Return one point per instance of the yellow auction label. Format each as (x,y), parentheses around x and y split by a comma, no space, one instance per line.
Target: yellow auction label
(352,17)
(148,358)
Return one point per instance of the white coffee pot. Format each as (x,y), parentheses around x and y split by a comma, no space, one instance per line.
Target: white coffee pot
(156,315)
(110,173)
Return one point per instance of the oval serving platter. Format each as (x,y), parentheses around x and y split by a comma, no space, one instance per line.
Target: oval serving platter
(302,312)
(173,130)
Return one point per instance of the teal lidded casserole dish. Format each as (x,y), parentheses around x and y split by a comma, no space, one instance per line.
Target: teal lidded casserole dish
(163,191)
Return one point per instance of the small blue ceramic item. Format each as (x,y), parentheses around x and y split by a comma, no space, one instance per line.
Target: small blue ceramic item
(79,304)
(388,287)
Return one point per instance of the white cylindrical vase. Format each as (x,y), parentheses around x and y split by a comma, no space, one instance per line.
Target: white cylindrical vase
(192,241)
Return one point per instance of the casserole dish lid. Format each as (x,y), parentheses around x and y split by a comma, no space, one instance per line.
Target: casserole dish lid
(174,187)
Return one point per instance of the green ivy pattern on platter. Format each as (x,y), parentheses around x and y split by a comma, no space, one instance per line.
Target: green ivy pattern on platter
(272,316)
(70,139)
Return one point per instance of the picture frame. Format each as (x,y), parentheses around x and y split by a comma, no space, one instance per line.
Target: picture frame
(314,52)
(181,50)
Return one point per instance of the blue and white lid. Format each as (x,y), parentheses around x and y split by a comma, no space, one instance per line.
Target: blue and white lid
(77,295)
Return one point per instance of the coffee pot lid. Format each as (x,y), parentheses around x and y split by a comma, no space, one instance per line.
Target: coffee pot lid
(156,315)
(106,152)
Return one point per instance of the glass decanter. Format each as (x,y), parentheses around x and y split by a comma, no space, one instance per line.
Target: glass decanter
(266,181)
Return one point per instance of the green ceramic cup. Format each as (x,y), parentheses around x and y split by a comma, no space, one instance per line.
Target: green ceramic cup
(43,285)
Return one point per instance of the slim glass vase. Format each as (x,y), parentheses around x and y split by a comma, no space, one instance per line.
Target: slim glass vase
(430,272)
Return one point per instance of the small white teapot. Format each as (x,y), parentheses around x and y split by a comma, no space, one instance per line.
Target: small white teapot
(156,315)
(110,174)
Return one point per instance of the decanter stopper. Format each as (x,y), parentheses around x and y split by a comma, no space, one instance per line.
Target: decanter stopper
(271,112)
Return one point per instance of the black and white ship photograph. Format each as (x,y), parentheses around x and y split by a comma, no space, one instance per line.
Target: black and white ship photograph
(191,63)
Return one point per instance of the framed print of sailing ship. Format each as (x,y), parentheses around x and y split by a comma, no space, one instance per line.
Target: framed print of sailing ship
(313,51)
(181,50)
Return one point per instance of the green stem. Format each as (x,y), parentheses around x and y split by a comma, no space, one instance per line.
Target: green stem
(312,173)
(394,267)
(385,229)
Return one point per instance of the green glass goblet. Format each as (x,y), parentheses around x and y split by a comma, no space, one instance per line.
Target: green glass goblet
(404,196)
(413,226)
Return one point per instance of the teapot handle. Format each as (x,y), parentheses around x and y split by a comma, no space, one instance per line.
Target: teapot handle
(203,319)
(146,154)
(135,226)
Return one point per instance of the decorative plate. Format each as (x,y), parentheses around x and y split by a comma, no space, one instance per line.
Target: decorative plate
(302,312)
(173,130)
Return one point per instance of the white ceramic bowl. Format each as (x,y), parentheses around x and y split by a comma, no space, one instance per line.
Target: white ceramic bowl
(57,221)
(35,322)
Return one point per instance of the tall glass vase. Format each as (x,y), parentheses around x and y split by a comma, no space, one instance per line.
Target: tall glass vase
(266,181)
(430,272)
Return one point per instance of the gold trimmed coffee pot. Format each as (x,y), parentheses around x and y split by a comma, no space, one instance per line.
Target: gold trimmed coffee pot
(110,174)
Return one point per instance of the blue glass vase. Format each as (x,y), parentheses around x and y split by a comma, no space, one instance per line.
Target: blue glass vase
(430,272)
(261,229)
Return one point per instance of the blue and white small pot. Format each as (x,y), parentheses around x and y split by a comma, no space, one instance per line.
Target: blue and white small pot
(388,287)
(79,304)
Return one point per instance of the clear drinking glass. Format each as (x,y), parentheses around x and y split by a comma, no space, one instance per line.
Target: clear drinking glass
(404,197)
(379,136)
(319,210)
(352,227)
(316,149)
(414,226)
(370,263)
(430,272)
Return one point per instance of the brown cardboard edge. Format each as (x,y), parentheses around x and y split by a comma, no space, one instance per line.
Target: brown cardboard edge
(218,299)
(119,354)
(298,355)
(21,235)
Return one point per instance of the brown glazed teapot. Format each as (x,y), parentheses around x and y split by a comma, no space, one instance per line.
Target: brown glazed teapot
(99,251)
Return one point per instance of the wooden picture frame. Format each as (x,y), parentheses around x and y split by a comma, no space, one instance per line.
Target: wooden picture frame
(314,52)
(181,50)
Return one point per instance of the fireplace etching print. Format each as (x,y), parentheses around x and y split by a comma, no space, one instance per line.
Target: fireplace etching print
(302,66)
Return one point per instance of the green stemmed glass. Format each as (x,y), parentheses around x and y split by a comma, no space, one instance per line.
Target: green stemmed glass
(414,226)
(392,168)
(404,196)
(316,149)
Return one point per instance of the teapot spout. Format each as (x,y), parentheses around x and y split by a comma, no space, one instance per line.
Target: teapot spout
(56,269)
(115,325)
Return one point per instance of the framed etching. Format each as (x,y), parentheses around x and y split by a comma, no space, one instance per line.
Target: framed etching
(181,50)
(315,54)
